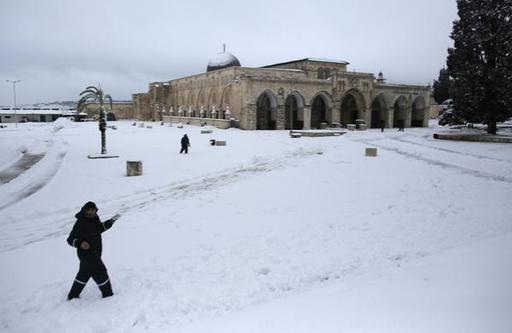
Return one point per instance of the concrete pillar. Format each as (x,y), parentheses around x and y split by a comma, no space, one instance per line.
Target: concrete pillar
(280,117)
(335,115)
(389,116)
(307,117)
(367,116)
(408,116)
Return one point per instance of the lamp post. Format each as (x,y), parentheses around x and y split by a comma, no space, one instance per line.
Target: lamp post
(14,93)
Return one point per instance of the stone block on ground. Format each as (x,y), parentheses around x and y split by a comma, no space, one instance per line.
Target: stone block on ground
(220,143)
(372,152)
(133,168)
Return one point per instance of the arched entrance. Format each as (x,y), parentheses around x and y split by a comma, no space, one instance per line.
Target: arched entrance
(352,107)
(418,111)
(266,110)
(293,109)
(399,112)
(111,116)
(379,111)
(319,107)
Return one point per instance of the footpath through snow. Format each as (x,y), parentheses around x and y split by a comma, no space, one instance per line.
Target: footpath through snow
(265,234)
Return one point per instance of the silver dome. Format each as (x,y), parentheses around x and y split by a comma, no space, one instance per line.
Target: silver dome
(222,60)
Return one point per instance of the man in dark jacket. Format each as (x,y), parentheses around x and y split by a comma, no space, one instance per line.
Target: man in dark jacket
(86,237)
(185,143)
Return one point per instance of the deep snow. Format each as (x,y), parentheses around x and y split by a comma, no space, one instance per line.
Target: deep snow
(266,234)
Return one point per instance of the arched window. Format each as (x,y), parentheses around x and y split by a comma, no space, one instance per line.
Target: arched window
(323,73)
(320,74)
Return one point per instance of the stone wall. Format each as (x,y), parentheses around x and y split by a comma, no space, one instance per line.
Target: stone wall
(120,110)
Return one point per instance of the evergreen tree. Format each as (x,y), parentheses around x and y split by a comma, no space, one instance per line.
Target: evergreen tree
(481,61)
(443,87)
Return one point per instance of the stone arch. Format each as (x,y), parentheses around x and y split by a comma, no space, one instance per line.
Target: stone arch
(201,99)
(400,106)
(266,110)
(212,98)
(191,103)
(418,109)
(201,103)
(294,111)
(111,116)
(352,107)
(190,99)
(320,109)
(379,116)
(226,100)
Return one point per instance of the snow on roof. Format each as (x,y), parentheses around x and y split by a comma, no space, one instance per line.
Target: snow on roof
(10,111)
(222,60)
(311,59)
(328,60)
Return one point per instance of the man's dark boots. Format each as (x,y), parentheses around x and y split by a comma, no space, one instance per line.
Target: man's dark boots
(76,289)
(106,289)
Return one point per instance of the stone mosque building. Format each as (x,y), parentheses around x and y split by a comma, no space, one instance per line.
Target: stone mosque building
(307,93)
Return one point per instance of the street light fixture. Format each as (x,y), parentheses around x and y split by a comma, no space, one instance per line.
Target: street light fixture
(14,93)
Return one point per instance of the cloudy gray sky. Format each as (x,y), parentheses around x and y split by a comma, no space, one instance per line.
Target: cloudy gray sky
(58,47)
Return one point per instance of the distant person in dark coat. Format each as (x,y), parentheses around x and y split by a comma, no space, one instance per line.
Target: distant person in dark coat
(185,143)
(401,125)
(86,237)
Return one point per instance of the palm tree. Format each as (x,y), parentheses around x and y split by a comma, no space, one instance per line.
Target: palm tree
(95,95)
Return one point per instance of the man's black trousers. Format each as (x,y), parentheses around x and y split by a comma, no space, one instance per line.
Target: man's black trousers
(91,265)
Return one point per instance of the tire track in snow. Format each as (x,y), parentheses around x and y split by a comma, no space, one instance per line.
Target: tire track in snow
(22,165)
(464,170)
(36,185)
(450,150)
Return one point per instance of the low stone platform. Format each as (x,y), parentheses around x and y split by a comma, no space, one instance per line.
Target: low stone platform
(97,156)
(317,133)
(475,137)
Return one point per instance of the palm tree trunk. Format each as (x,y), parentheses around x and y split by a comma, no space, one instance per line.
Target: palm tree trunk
(103,142)
(103,129)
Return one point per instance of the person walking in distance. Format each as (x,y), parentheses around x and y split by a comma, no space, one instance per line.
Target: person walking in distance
(86,237)
(185,143)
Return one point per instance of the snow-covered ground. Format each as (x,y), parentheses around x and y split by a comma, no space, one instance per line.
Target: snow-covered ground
(266,234)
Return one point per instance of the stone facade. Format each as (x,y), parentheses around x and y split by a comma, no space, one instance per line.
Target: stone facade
(121,110)
(302,94)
